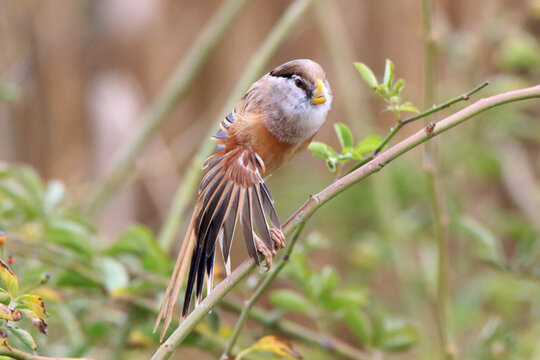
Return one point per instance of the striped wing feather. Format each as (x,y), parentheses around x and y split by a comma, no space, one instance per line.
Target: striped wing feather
(232,190)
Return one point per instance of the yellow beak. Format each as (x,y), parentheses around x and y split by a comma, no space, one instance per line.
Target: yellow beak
(318,94)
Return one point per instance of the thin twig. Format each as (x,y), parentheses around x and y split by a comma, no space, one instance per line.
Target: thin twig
(258,293)
(423,114)
(316,201)
(279,34)
(178,85)
(442,106)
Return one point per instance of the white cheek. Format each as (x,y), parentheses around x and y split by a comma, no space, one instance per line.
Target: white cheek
(304,119)
(310,121)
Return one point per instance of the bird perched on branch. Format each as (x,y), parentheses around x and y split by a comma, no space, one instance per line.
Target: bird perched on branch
(275,120)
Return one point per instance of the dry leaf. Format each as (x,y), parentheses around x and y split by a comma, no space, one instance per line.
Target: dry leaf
(274,345)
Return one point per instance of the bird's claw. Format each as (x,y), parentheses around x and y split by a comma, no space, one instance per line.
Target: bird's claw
(267,252)
(278,241)
(278,238)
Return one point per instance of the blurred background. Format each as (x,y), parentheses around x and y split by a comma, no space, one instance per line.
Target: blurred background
(79,80)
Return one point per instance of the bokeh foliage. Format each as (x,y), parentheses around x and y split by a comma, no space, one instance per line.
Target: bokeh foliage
(364,270)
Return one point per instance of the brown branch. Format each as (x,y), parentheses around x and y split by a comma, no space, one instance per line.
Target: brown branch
(316,201)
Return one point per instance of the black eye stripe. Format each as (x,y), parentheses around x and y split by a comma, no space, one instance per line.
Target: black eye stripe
(298,80)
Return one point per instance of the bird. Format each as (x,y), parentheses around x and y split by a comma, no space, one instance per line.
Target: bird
(273,122)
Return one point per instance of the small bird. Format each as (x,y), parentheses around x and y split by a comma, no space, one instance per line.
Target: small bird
(274,121)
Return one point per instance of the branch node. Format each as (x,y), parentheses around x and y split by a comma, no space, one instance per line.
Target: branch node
(429,129)
(315,198)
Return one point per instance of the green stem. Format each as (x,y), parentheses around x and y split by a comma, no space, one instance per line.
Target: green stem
(401,123)
(434,109)
(316,201)
(279,34)
(178,86)
(258,293)
(436,196)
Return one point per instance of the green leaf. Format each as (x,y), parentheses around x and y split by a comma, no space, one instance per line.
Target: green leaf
(24,336)
(290,300)
(9,279)
(399,336)
(22,202)
(360,325)
(486,246)
(68,235)
(31,182)
(114,275)
(344,135)
(397,88)
(321,150)
(407,107)
(367,74)
(389,73)
(366,146)
(5,298)
(141,242)
(331,163)
(341,299)
(71,278)
(323,283)
(382,91)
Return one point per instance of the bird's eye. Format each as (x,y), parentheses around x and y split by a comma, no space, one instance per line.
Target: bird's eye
(300,83)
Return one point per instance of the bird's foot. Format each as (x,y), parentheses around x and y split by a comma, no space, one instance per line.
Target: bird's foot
(278,238)
(263,249)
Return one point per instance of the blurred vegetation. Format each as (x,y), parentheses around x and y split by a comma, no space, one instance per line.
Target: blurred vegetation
(362,280)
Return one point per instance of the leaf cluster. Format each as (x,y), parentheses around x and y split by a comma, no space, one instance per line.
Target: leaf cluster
(321,295)
(349,150)
(388,90)
(16,304)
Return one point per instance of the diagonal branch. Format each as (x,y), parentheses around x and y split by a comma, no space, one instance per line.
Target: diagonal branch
(316,201)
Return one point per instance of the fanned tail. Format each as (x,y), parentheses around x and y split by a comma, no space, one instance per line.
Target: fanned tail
(232,190)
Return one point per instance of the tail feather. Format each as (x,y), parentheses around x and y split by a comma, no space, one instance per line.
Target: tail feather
(232,190)
(268,204)
(177,278)
(247,227)
(258,216)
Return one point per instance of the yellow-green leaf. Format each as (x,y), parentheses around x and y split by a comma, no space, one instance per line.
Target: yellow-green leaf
(389,73)
(275,345)
(6,313)
(9,279)
(367,74)
(290,300)
(35,303)
(38,322)
(344,135)
(37,310)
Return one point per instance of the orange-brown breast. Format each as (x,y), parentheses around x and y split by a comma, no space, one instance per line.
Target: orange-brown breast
(249,130)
